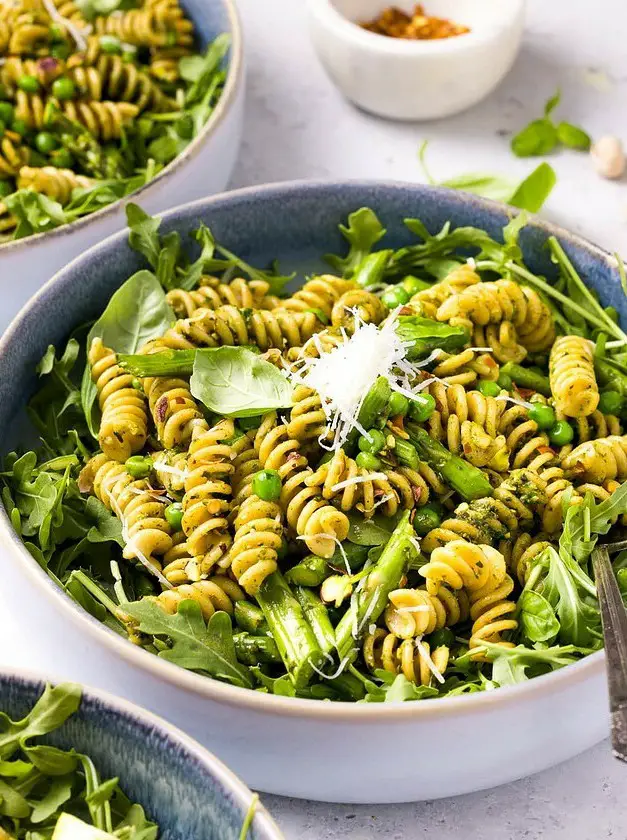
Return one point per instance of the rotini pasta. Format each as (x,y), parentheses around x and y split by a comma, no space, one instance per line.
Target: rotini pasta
(571,370)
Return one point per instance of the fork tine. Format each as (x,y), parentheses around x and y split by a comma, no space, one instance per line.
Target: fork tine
(614,620)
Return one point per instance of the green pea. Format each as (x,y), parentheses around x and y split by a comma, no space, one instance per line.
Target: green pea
(488,388)
(396,296)
(61,51)
(247,424)
(139,466)
(421,407)
(367,461)
(63,88)
(442,638)
(610,402)
(374,443)
(46,142)
(19,127)
(6,188)
(398,404)
(110,44)
(561,433)
(57,33)
(137,384)
(505,382)
(184,127)
(7,112)
(543,415)
(426,519)
(62,158)
(174,515)
(267,485)
(29,84)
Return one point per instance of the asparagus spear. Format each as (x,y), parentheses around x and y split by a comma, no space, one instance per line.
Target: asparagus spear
(166,362)
(251,650)
(370,599)
(423,336)
(249,617)
(470,482)
(371,270)
(527,378)
(311,571)
(291,631)
(406,453)
(374,405)
(318,617)
(609,374)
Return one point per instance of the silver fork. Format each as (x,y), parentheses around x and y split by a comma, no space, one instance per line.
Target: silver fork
(614,620)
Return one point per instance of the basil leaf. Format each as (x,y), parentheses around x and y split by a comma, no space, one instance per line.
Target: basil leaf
(535,189)
(573,137)
(234,382)
(537,138)
(537,617)
(136,312)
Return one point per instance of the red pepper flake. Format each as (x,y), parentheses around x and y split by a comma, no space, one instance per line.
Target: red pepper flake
(417,493)
(525,393)
(405,310)
(47,64)
(543,450)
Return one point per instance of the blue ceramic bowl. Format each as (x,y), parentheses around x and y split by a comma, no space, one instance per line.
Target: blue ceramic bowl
(278,744)
(182,787)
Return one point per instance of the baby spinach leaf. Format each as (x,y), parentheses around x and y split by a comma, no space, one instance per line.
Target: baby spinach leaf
(537,617)
(195,646)
(234,382)
(136,312)
(363,232)
(375,531)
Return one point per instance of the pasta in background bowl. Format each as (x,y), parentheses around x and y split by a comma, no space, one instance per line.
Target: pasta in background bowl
(298,223)
(94,108)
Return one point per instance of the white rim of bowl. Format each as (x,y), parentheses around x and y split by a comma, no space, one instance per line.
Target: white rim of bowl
(234,80)
(233,785)
(326,11)
(228,695)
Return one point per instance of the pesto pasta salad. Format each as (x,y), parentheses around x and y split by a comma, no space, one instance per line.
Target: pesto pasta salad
(96,97)
(382,485)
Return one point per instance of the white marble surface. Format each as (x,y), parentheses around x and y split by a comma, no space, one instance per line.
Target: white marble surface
(299,126)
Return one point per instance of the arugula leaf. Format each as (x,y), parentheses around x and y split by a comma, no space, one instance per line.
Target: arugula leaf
(537,617)
(534,190)
(195,646)
(191,276)
(234,382)
(511,665)
(143,233)
(396,688)
(552,103)
(205,76)
(58,794)
(584,523)
(363,232)
(53,708)
(34,212)
(167,262)
(580,620)
(136,312)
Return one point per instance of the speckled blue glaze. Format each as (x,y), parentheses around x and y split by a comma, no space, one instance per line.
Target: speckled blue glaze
(296,222)
(181,786)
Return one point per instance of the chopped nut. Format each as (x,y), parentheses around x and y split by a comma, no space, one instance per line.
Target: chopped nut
(395,23)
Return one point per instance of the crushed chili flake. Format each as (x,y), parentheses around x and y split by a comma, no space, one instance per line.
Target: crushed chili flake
(418,26)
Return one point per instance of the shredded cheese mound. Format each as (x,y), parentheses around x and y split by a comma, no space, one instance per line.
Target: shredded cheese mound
(344,375)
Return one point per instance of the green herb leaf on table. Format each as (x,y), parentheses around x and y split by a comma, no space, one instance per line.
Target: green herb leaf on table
(537,138)
(237,383)
(573,137)
(534,190)
(195,646)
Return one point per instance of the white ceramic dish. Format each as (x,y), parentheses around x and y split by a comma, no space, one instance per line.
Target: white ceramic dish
(417,80)
(337,752)
(203,169)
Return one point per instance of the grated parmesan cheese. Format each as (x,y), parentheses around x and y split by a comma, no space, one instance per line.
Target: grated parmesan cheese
(359,479)
(429,662)
(77,33)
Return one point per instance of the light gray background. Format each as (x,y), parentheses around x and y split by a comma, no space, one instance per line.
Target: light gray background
(299,126)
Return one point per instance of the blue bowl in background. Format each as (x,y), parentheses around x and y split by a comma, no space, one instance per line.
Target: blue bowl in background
(287,745)
(182,787)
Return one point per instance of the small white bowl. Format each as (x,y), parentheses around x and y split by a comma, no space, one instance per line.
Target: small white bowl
(417,80)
